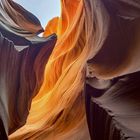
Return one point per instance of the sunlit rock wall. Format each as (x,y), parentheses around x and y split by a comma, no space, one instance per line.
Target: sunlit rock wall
(43,81)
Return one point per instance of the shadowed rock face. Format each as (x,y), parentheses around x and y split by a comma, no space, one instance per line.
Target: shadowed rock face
(22,64)
(3,135)
(113,104)
(21,77)
(115,114)
(119,52)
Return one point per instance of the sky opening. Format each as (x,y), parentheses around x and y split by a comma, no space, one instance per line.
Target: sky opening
(43,9)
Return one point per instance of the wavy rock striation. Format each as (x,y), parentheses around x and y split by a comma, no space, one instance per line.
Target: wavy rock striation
(22,64)
(42,91)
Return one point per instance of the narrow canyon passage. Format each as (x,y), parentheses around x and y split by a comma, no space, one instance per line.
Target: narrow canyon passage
(79,80)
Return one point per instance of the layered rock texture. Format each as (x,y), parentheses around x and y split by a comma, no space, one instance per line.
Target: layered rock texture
(113,113)
(112,93)
(23,57)
(91,52)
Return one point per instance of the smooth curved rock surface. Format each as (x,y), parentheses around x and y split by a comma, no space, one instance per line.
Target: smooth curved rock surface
(112,93)
(115,115)
(47,95)
(120,50)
